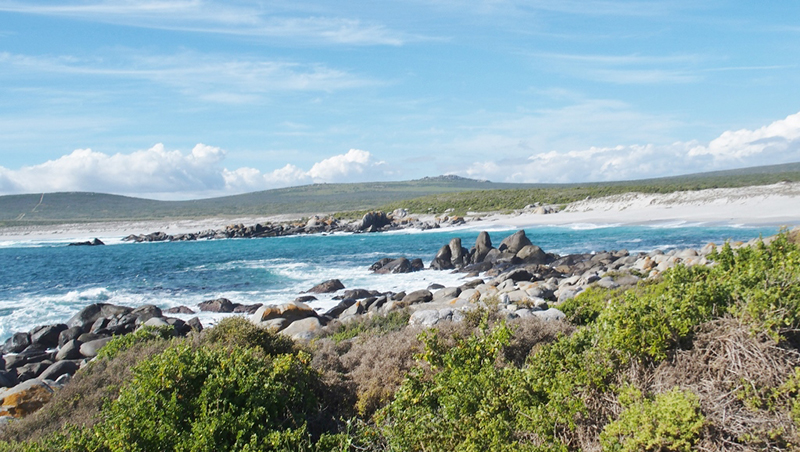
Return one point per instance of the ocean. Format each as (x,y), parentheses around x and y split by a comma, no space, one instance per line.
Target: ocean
(47,282)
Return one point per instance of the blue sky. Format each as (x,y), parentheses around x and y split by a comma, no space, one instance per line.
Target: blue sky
(182,98)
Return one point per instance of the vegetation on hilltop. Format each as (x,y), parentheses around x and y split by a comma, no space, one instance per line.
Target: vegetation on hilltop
(428,195)
(703,358)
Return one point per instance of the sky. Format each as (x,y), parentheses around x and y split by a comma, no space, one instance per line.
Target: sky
(179,99)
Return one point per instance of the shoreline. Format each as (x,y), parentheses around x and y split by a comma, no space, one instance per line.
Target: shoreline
(769,205)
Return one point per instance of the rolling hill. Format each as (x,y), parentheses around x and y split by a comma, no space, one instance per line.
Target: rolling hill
(427,194)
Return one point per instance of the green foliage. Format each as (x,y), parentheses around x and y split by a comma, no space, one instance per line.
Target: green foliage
(375,325)
(587,306)
(671,422)
(461,400)
(142,335)
(237,331)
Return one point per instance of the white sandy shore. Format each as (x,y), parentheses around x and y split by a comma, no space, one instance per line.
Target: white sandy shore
(777,204)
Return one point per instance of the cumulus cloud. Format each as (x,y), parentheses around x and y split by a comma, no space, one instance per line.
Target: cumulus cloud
(173,174)
(775,143)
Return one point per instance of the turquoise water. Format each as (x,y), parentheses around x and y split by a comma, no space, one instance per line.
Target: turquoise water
(48,282)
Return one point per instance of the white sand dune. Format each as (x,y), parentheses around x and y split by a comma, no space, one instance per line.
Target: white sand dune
(777,204)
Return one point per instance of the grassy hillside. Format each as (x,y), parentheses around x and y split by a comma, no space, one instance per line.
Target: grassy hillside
(423,195)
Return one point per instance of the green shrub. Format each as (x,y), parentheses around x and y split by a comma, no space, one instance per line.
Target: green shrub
(460,400)
(125,342)
(237,331)
(671,422)
(587,306)
(375,325)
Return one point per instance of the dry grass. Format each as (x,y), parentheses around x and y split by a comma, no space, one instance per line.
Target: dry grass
(80,401)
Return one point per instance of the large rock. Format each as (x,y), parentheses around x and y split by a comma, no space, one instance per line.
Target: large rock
(337,310)
(373,221)
(25,398)
(68,335)
(47,335)
(88,315)
(291,311)
(418,296)
(146,312)
(443,259)
(90,349)
(8,379)
(548,315)
(58,369)
(459,256)
(217,305)
(401,265)
(515,242)
(17,343)
(329,286)
(532,254)
(303,330)
(483,245)
(179,310)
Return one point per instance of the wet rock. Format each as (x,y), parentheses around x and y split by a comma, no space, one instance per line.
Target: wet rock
(94,242)
(443,259)
(377,265)
(217,305)
(305,298)
(17,343)
(401,265)
(330,286)
(246,308)
(179,310)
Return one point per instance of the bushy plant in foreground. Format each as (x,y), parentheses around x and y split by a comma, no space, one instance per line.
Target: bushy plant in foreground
(459,400)
(672,421)
(144,334)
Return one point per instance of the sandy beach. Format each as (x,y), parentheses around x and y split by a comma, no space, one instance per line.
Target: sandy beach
(777,204)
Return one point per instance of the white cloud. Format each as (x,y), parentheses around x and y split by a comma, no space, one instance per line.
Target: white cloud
(776,143)
(161,173)
(342,167)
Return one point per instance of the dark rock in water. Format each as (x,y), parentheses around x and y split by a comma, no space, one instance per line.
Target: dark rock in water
(377,265)
(358,294)
(95,242)
(459,256)
(58,369)
(401,265)
(88,315)
(483,245)
(179,310)
(417,265)
(8,378)
(70,350)
(218,305)
(329,286)
(515,242)
(418,296)
(195,324)
(443,259)
(305,298)
(373,221)
(17,343)
(47,335)
(435,286)
(246,308)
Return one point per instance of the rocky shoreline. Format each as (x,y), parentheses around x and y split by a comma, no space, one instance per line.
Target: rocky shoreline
(516,278)
(375,221)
